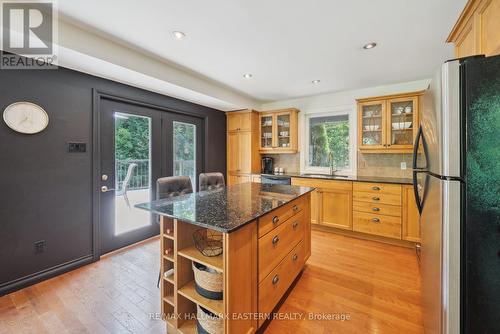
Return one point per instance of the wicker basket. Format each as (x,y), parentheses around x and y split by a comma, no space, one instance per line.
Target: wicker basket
(208,282)
(208,242)
(207,322)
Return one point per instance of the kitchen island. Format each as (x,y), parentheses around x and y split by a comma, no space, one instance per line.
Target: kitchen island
(266,239)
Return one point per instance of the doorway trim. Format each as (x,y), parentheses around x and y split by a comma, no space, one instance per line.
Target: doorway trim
(97,96)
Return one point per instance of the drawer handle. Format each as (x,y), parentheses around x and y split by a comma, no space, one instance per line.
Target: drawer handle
(276,279)
(295,208)
(375,209)
(376,188)
(375,220)
(276,239)
(295,224)
(275,219)
(295,257)
(376,198)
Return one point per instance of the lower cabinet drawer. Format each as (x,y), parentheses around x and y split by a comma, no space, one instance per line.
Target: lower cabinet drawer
(386,226)
(274,286)
(377,208)
(273,219)
(390,199)
(277,243)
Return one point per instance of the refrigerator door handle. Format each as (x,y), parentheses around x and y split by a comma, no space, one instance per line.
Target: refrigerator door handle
(415,190)
(415,148)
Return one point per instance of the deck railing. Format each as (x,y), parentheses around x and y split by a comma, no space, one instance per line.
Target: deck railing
(141,176)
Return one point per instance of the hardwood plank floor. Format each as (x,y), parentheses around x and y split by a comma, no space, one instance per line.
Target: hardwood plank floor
(375,285)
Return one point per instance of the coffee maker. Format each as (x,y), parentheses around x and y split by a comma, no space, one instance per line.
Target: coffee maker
(267,165)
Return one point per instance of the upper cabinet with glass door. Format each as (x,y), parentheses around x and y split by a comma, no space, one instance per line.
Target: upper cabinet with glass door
(278,131)
(388,124)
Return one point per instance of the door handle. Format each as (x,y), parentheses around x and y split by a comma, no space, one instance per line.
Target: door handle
(295,257)
(375,209)
(375,220)
(376,198)
(105,189)
(275,219)
(276,279)
(276,239)
(295,224)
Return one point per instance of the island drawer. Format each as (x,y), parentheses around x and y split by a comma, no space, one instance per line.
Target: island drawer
(371,197)
(272,288)
(386,226)
(377,208)
(276,244)
(379,188)
(279,216)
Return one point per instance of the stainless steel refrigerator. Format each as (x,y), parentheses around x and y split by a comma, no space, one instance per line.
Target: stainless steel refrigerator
(456,178)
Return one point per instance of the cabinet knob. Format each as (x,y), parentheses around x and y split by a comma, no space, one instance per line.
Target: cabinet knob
(295,257)
(276,279)
(375,209)
(376,198)
(295,208)
(375,220)
(376,188)
(275,219)
(276,239)
(295,224)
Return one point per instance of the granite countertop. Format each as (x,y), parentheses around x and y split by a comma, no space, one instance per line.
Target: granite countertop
(377,179)
(226,209)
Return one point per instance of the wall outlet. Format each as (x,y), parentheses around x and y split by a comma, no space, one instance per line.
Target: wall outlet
(39,246)
(403,165)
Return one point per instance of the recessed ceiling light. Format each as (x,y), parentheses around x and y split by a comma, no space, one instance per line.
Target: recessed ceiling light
(247,75)
(316,81)
(369,46)
(178,34)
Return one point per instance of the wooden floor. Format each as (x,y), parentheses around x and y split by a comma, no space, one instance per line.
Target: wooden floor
(374,286)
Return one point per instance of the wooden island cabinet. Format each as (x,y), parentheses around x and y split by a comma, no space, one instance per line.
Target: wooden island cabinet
(264,235)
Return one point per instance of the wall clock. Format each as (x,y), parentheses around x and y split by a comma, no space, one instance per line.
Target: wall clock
(26,117)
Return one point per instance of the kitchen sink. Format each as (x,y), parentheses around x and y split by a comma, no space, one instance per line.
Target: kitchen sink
(325,175)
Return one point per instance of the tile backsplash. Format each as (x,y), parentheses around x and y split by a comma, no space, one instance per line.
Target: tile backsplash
(369,164)
(387,165)
(289,162)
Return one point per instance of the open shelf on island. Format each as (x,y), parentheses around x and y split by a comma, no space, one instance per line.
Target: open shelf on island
(189,291)
(169,257)
(169,298)
(193,254)
(188,327)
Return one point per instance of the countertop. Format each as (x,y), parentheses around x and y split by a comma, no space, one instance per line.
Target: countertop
(228,208)
(375,179)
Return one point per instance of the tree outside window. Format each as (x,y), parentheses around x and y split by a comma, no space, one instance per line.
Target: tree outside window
(329,135)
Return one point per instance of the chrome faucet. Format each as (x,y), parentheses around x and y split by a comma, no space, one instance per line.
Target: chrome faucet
(330,161)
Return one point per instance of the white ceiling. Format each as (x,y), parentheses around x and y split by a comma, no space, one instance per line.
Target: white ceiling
(284,43)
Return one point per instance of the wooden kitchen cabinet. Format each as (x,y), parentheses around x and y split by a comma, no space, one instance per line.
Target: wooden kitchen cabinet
(411,217)
(278,132)
(242,145)
(477,29)
(336,208)
(239,121)
(331,202)
(388,124)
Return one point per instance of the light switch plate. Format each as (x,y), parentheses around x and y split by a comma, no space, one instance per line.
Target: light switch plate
(403,165)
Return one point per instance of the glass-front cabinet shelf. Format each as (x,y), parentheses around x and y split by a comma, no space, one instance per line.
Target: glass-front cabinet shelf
(278,131)
(388,124)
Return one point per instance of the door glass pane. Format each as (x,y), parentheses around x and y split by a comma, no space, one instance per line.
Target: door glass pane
(283,130)
(372,125)
(266,130)
(132,171)
(185,150)
(401,123)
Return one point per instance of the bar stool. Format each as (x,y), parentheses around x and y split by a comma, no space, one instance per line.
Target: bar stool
(211,181)
(172,186)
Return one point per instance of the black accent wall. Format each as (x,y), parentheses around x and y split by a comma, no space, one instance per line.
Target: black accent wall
(46,192)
